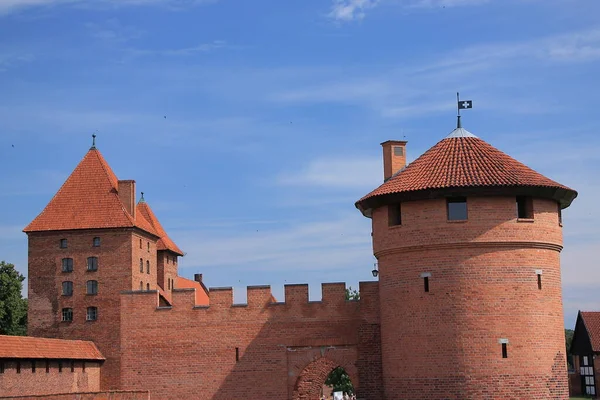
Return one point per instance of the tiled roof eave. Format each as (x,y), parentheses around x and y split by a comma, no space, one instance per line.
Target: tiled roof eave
(91,228)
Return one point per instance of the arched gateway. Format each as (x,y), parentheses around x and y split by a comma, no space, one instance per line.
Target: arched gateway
(312,378)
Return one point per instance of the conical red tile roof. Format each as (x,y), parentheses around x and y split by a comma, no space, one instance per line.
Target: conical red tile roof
(87,200)
(462,161)
(165,242)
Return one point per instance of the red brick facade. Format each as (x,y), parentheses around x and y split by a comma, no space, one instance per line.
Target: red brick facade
(489,325)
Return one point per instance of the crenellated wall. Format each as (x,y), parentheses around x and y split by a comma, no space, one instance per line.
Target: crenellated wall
(255,350)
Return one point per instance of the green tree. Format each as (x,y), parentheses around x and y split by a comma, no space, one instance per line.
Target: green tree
(352,294)
(568,340)
(13,307)
(340,381)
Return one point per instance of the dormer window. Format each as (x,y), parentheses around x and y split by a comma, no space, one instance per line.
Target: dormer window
(96,242)
(63,243)
(524,207)
(456,208)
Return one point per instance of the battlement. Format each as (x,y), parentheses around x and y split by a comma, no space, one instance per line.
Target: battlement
(260,298)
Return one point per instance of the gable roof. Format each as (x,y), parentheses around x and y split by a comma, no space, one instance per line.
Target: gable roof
(33,347)
(462,160)
(591,320)
(201,294)
(164,241)
(88,199)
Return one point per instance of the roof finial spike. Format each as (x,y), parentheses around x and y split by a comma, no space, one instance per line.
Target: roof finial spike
(142,199)
(93,142)
(458,123)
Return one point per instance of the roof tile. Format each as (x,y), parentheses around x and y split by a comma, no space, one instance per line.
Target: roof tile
(591,319)
(33,347)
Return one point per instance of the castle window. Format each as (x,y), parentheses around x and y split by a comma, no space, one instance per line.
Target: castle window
(92,314)
(83,366)
(426,276)
(47,366)
(60,366)
(67,288)
(524,207)
(67,265)
(237,354)
(394,215)
(538,273)
(147,286)
(96,242)
(141,265)
(72,365)
(140,243)
(63,243)
(141,285)
(504,343)
(1,367)
(148,246)
(456,208)
(174,259)
(92,287)
(67,314)
(147,266)
(18,367)
(33,366)
(92,264)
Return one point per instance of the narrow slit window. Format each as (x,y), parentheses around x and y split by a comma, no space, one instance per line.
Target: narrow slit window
(504,350)
(72,366)
(141,285)
(83,366)
(33,366)
(147,267)
(539,281)
(18,367)
(60,366)
(141,265)
(140,243)
(394,215)
(524,207)
(147,286)
(237,354)
(456,208)
(1,367)
(148,246)
(426,283)
(559,214)
(47,366)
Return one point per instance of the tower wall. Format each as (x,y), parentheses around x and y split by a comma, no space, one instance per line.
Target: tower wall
(483,287)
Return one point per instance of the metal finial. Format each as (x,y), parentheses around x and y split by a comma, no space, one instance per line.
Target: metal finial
(93,141)
(142,199)
(458,124)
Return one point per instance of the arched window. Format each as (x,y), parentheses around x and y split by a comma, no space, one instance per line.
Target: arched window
(67,288)
(147,267)
(141,265)
(67,265)
(140,243)
(92,314)
(92,264)
(148,246)
(147,286)
(92,287)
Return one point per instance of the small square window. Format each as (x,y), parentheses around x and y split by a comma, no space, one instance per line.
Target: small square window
(67,314)
(67,288)
(63,243)
(394,215)
(524,207)
(67,265)
(92,314)
(92,287)
(92,264)
(457,208)
(96,242)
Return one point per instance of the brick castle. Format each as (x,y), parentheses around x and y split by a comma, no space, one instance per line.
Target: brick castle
(468,304)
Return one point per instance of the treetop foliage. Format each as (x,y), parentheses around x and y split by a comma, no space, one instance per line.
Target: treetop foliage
(13,307)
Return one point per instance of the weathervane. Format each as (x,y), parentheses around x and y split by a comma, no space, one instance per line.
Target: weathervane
(462,105)
(93,141)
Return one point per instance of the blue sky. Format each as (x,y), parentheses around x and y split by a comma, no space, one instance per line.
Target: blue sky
(274,115)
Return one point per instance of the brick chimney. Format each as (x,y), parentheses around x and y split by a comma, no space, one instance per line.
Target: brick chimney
(127,195)
(394,157)
(198,278)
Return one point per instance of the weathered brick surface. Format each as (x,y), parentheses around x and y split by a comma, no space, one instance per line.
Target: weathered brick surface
(187,352)
(118,270)
(110,395)
(40,382)
(483,287)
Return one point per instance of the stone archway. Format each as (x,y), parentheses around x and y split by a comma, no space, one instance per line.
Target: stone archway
(310,382)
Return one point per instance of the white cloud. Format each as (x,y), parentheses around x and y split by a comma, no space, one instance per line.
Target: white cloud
(350,10)
(348,172)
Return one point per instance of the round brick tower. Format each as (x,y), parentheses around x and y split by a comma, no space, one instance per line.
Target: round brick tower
(468,242)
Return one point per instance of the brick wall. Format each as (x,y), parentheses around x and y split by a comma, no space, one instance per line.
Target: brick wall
(40,382)
(482,288)
(180,350)
(110,395)
(114,274)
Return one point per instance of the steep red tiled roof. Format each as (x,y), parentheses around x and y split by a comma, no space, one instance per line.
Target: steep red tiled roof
(87,200)
(165,242)
(201,295)
(591,319)
(460,162)
(33,347)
